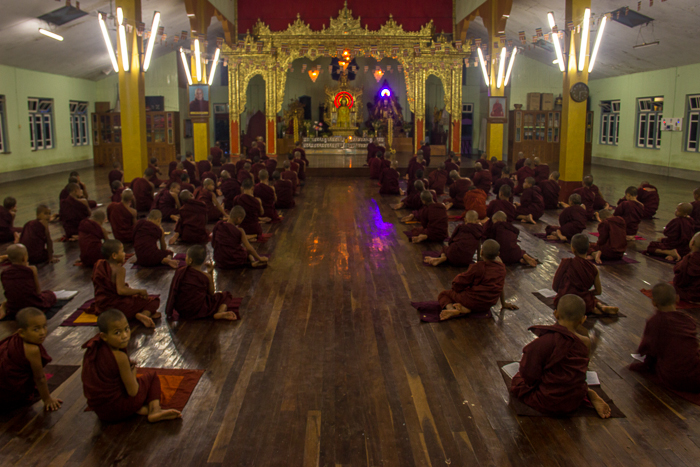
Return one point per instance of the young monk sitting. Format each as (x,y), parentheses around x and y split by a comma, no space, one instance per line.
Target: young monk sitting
(290,175)
(411,184)
(464,242)
(475,200)
(412,201)
(587,195)
(153,164)
(122,217)
(531,205)
(143,191)
(458,189)
(599,202)
(8,232)
(303,164)
(193,293)
(21,283)
(541,170)
(550,191)
(504,180)
(416,163)
(265,192)
(482,178)
(22,362)
(552,376)
(111,290)
(191,227)
(149,242)
(244,172)
(502,203)
(572,221)
(670,343)
(451,163)
(438,179)
(230,188)
(677,235)
(612,239)
(117,189)
(433,219)
(167,201)
(523,174)
(185,183)
(110,384)
(116,174)
(477,289)
(376,165)
(389,180)
(253,210)
(577,275)
(76,176)
(230,242)
(284,190)
(191,168)
(519,161)
(506,234)
(631,211)
(497,168)
(686,277)
(91,234)
(37,238)
(696,209)
(648,195)
(206,193)
(73,210)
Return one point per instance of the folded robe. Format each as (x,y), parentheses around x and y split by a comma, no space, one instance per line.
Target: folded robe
(267,196)
(232,169)
(166,204)
(207,197)
(552,376)
(20,290)
(389,179)
(90,237)
(106,295)
(190,299)
(192,225)
(686,279)
(438,181)
(484,163)
(483,180)
(678,234)
(17,386)
(210,175)
(572,221)
(478,288)
(588,200)
(519,163)
(229,252)
(531,202)
(457,191)
(243,174)
(498,204)
(632,212)
(147,237)
(34,237)
(143,194)
(433,219)
(550,193)
(72,212)
(285,194)
(271,165)
(612,239)
(506,234)
(575,276)
(7,228)
(103,386)
(122,222)
(464,242)
(203,166)
(250,223)
(648,195)
(230,188)
(255,171)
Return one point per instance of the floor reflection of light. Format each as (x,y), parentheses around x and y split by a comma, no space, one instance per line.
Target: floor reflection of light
(379,229)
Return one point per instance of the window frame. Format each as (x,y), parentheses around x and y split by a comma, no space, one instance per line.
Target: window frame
(79,130)
(649,115)
(4,146)
(692,111)
(41,127)
(609,123)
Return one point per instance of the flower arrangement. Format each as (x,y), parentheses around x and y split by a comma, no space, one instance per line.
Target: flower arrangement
(318,126)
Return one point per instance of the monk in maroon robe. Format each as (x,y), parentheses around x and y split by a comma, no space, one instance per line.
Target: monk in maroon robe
(284,189)
(266,193)
(504,180)
(231,246)
(686,277)
(523,174)
(216,154)
(21,283)
(143,192)
(371,149)
(506,234)
(587,194)
(189,166)
(117,190)
(91,234)
(75,178)
(631,210)
(484,163)
(8,232)
(203,166)
(412,201)
(244,173)
(73,210)
(599,202)
(230,168)
(253,209)
(426,151)
(475,200)
(497,168)
(463,243)
(416,163)
(411,184)
(482,178)
(167,201)
(191,227)
(612,238)
(255,170)
(648,195)
(154,179)
(677,235)
(240,163)
(206,193)
(37,238)
(375,167)
(116,174)
(271,165)
(122,217)
(541,171)
(550,191)
(185,183)
(531,206)
(230,188)
(458,189)
(520,161)
(438,179)
(290,175)
(451,165)
(433,219)
(149,242)
(389,180)
(572,221)
(502,204)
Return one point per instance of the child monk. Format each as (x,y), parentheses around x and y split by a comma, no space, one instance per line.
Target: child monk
(572,221)
(482,178)
(475,200)
(577,275)
(206,193)
(8,232)
(389,180)
(167,201)
(290,175)
(541,170)
(502,203)
(464,242)
(21,283)
(677,235)
(149,242)
(631,211)
(503,180)
(110,382)
(587,194)
(191,227)
(265,192)
(552,376)
(477,289)
(599,202)
(253,210)
(612,238)
(122,217)
(143,191)
(686,277)
(522,174)
(230,188)
(411,184)
(91,203)
(244,172)
(256,168)
(284,190)
(22,362)
(433,219)
(116,174)
(153,164)
(376,165)
(458,189)
(416,163)
(531,206)
(111,290)
(451,163)
(550,191)
(696,209)
(185,182)
(412,201)
(117,189)
(437,179)
(37,238)
(73,210)
(193,293)
(91,234)
(648,195)
(506,234)
(670,343)
(230,242)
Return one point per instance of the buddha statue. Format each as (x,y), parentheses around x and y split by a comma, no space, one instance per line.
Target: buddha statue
(343,114)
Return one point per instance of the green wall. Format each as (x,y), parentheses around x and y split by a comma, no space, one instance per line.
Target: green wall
(529,75)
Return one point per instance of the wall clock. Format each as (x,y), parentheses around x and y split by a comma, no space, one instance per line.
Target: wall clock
(579,92)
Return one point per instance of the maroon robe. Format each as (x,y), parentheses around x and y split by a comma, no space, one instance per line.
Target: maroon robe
(678,234)
(612,239)
(106,295)
(497,169)
(506,234)
(464,242)
(17,386)
(271,165)
(375,168)
(186,186)
(210,175)
(478,288)
(550,193)
(599,202)
(250,223)
(696,214)
(143,194)
(438,181)
(191,170)
(190,298)
(670,344)
(522,174)
(166,204)
(504,181)
(552,376)
(90,236)
(240,164)
(519,164)
(292,176)
(413,167)
(285,194)
(172,166)
(72,212)
(389,179)
(433,219)
(216,154)
(457,191)
(576,276)
(572,221)
(176,176)
(426,154)
(541,173)
(483,180)
(154,178)
(227,241)
(649,197)
(122,222)
(243,174)
(587,200)
(255,170)
(632,212)
(267,195)
(117,195)
(686,279)
(203,167)
(147,244)
(411,185)
(231,168)
(192,225)
(207,197)
(7,228)
(412,201)
(103,386)
(506,206)
(475,200)
(230,188)
(115,175)
(531,202)
(449,167)
(20,290)
(371,150)
(484,164)
(34,238)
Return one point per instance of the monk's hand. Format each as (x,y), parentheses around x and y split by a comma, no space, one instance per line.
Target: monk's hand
(55,259)
(143,293)
(51,404)
(508,306)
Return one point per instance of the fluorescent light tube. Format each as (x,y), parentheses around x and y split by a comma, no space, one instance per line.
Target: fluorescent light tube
(151,41)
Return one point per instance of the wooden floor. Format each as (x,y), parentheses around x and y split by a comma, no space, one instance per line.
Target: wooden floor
(330,365)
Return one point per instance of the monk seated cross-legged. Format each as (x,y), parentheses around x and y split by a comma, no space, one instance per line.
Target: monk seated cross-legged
(477,289)
(288,174)
(577,276)
(438,179)
(502,203)
(412,201)
(117,189)
(153,164)
(75,178)
(111,290)
(21,284)
(696,209)
(475,200)
(376,165)
(522,174)
(552,376)
(22,362)
(265,192)
(206,193)
(415,164)
(458,189)
(496,168)
(599,202)
(231,246)
(73,210)
(686,277)
(244,173)
(531,205)
(612,238)
(191,227)
(572,221)
(433,219)
(122,217)
(631,210)
(8,232)
(185,183)
(506,234)
(91,234)
(504,180)
(116,174)
(464,242)
(541,170)
(149,242)
(588,196)
(677,235)
(284,190)
(411,183)
(550,191)
(193,293)
(110,382)
(230,188)
(389,180)
(253,210)
(37,238)
(648,195)
(482,178)
(167,201)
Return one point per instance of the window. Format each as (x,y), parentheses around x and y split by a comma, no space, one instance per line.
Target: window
(78,123)
(693,120)
(40,123)
(649,115)
(3,128)
(609,122)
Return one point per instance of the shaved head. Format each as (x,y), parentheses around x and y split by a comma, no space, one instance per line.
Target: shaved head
(237,213)
(110,248)
(685,209)
(663,294)
(263,174)
(575,199)
(588,180)
(571,308)
(631,190)
(99,216)
(247,184)
(490,249)
(477,166)
(554,175)
(418,185)
(155,215)
(472,216)
(224,174)
(426,197)
(500,216)
(198,254)
(454,175)
(16,253)
(505,191)
(127,195)
(107,317)
(185,195)
(27,314)
(604,214)
(208,182)
(580,243)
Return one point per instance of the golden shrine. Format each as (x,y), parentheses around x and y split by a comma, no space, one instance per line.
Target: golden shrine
(341,107)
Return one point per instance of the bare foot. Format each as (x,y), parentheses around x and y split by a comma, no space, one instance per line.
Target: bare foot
(599,257)
(608,310)
(630,238)
(530,260)
(74,238)
(162,415)
(560,236)
(227,315)
(264,220)
(552,237)
(174,217)
(599,404)
(448,312)
(143,410)
(148,322)
(529,219)
(448,206)
(156,315)
(172,240)
(397,206)
(674,256)
(419,238)
(462,309)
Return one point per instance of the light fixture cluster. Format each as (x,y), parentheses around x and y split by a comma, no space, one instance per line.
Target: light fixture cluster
(50,34)
(198,68)
(503,76)
(585,31)
(121,40)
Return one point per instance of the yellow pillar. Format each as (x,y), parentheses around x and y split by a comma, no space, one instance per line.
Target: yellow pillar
(132,97)
(200,124)
(573,115)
